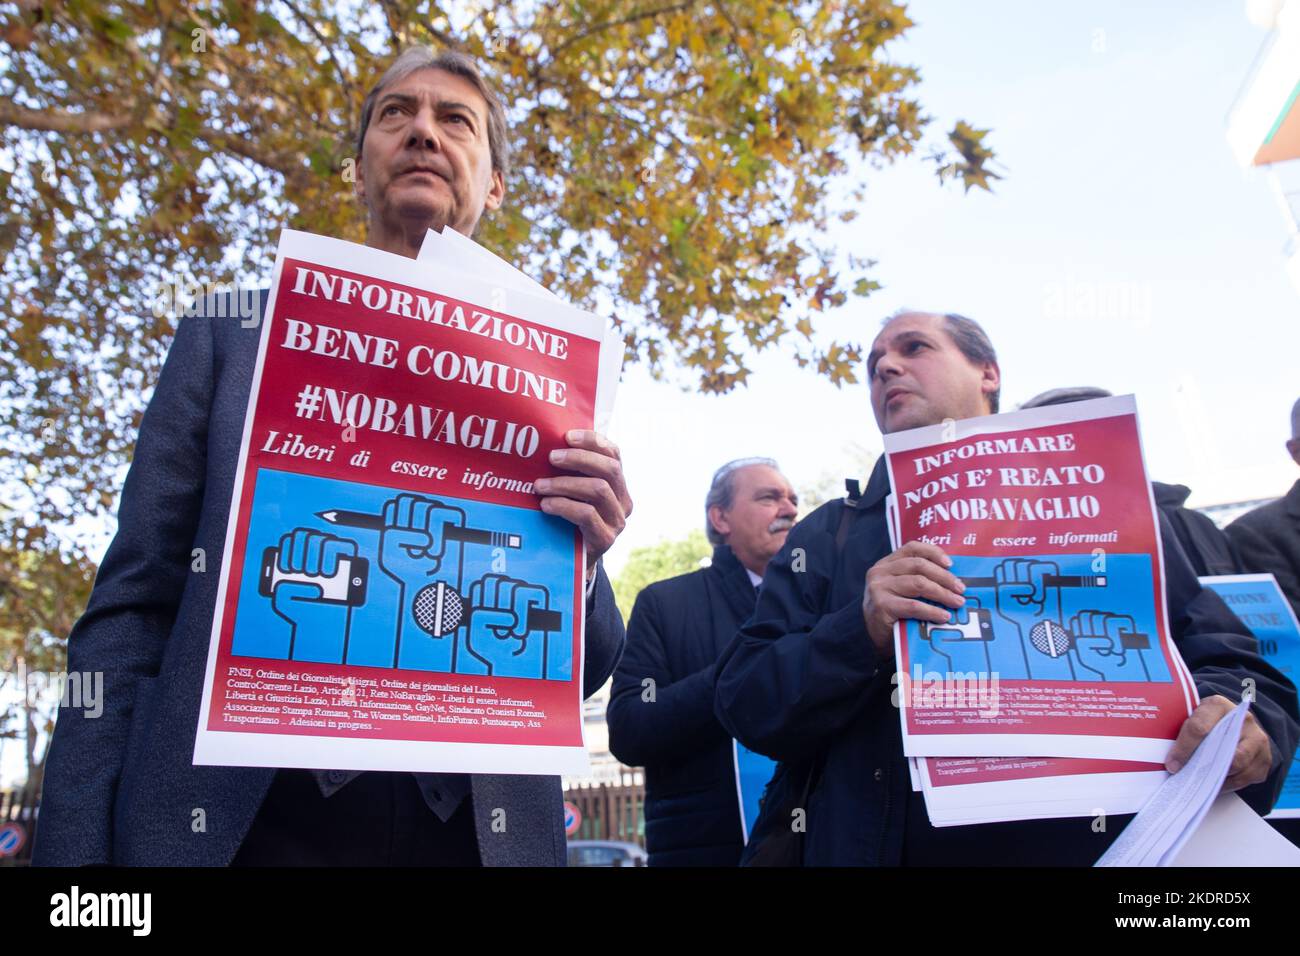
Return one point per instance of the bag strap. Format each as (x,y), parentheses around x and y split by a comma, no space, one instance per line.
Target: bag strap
(848,514)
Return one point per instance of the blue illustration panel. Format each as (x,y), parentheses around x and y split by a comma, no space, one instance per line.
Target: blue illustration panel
(346,573)
(1058,617)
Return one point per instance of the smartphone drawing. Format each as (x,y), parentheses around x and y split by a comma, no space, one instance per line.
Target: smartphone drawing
(346,586)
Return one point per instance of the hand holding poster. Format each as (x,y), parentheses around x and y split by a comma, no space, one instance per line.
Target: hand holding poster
(1062,647)
(392,597)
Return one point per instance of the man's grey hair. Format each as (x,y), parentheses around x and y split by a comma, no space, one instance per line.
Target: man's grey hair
(1295,419)
(416,58)
(722,492)
(969,337)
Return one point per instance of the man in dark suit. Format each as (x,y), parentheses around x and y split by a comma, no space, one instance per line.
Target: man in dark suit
(1268,538)
(660,713)
(809,678)
(122,788)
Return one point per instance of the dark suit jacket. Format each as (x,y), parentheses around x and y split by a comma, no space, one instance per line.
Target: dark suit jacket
(677,630)
(121,788)
(1207,548)
(1268,541)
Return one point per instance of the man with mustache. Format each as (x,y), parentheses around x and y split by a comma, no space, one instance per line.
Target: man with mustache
(808,680)
(660,713)
(433,151)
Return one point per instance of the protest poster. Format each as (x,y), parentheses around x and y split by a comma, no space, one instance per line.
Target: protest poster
(1063,647)
(391,595)
(1259,602)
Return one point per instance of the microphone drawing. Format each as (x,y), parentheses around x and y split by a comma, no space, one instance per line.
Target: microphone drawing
(419,537)
(440,610)
(1048,637)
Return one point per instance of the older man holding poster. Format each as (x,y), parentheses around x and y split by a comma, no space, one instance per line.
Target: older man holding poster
(123,789)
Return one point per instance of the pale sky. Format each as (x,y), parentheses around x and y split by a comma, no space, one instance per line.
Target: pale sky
(1125,248)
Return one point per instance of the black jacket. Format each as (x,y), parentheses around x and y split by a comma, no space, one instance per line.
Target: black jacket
(1268,541)
(677,630)
(1207,548)
(802,677)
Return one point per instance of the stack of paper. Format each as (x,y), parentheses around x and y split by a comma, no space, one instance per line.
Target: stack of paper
(966,790)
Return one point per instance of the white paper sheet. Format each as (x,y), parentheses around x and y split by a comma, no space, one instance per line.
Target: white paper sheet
(1162,827)
(1232,834)
(450,249)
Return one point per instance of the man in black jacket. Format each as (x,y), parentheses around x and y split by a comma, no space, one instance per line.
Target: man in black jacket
(809,678)
(660,714)
(1268,538)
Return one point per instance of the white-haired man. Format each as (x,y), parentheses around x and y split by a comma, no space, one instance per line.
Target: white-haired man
(660,711)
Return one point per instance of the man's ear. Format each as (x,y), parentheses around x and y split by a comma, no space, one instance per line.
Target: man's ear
(990,379)
(496,191)
(718,519)
(1293,446)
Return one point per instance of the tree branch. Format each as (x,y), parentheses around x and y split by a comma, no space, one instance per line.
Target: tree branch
(622,21)
(61,121)
(349,92)
(287,166)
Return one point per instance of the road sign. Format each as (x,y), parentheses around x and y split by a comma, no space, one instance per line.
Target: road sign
(572,818)
(12,838)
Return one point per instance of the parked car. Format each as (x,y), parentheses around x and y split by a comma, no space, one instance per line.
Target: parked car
(605,853)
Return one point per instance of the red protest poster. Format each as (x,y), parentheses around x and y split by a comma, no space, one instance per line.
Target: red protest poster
(392,598)
(1063,646)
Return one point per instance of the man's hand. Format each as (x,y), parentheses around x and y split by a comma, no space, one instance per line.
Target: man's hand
(596,498)
(897,582)
(1254,756)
